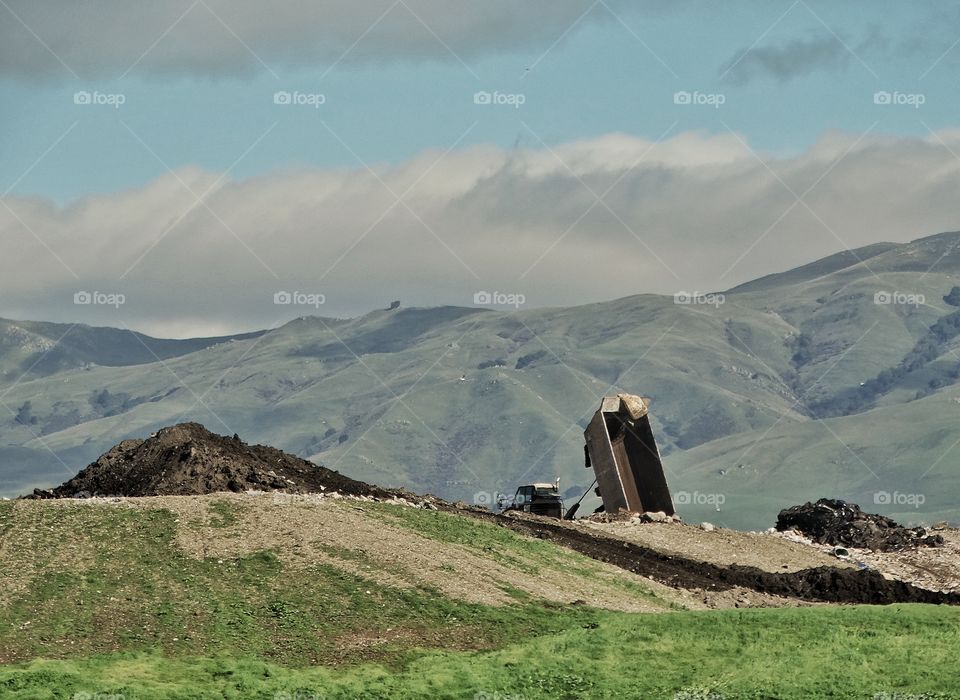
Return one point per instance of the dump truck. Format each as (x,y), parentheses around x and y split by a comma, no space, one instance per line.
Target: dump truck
(539,499)
(621,450)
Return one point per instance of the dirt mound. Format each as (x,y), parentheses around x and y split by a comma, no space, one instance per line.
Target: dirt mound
(823,583)
(188,460)
(837,522)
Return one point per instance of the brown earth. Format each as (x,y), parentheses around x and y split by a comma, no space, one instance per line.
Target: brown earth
(720,546)
(187,459)
(831,584)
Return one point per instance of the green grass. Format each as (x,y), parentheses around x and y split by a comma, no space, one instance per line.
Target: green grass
(853,652)
(224,513)
(505,546)
(137,591)
(135,616)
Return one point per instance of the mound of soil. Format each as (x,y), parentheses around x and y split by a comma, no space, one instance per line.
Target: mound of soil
(821,584)
(836,522)
(187,460)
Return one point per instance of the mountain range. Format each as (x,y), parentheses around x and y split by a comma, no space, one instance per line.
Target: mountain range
(838,378)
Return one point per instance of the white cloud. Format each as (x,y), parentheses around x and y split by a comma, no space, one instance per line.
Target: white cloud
(697,205)
(105,38)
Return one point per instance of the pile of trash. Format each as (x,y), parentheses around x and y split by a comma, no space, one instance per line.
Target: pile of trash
(838,523)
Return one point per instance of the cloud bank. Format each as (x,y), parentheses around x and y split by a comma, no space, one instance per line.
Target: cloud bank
(587,221)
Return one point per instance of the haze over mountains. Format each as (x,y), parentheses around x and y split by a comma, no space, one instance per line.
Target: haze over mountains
(838,378)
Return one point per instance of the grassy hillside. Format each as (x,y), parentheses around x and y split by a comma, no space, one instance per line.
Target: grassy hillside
(301,581)
(213,597)
(901,652)
(462,402)
(906,452)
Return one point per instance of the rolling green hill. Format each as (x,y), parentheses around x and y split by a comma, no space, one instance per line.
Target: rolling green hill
(468,401)
(218,596)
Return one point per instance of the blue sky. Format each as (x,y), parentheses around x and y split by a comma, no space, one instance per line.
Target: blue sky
(199,197)
(598,79)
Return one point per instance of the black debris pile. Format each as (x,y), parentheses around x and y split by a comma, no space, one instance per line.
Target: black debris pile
(187,460)
(836,522)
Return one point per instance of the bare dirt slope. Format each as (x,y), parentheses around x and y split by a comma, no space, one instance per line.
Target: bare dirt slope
(720,546)
(832,584)
(931,568)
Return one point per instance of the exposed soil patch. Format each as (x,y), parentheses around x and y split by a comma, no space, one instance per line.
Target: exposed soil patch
(188,459)
(720,546)
(834,522)
(824,583)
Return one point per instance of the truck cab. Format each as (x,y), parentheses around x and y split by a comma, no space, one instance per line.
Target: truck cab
(539,499)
